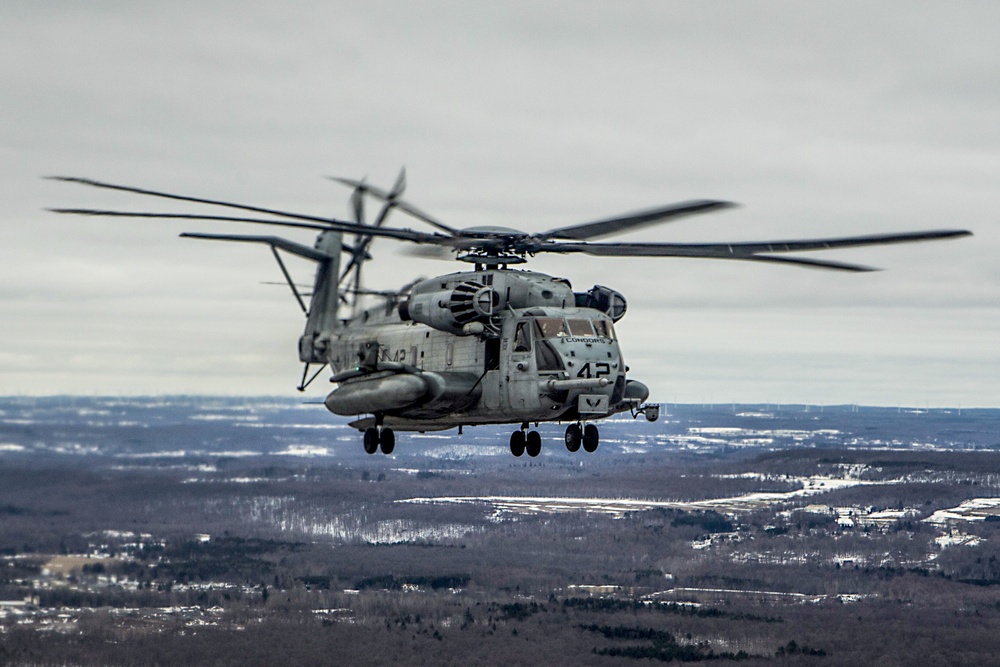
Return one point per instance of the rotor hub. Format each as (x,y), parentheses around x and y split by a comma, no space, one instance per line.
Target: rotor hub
(491,259)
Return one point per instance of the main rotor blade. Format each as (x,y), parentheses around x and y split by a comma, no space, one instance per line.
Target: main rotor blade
(847,241)
(402,205)
(196,200)
(430,252)
(388,232)
(811,263)
(635,220)
(188,216)
(742,249)
(617,250)
(273,241)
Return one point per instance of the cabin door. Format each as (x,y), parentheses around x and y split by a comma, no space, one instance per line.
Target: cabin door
(519,391)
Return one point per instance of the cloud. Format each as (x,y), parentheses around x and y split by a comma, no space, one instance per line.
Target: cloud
(822,120)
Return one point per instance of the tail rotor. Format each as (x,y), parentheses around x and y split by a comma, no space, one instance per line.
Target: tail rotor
(350,279)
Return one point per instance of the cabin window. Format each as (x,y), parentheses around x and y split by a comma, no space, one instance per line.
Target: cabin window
(552,327)
(522,338)
(581,328)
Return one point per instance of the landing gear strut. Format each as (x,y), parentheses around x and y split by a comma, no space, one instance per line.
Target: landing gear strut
(588,436)
(377,436)
(523,440)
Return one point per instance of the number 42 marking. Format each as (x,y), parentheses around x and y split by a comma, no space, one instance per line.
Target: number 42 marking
(600,369)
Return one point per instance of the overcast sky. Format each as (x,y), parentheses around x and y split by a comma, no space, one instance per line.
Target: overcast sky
(821,119)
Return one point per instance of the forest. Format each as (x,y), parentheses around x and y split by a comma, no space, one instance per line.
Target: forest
(169,531)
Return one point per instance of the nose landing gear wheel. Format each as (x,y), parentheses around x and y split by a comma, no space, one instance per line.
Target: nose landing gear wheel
(517,443)
(591,438)
(533,444)
(387,441)
(574,436)
(371,440)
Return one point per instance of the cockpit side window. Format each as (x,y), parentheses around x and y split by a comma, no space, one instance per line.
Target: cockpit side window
(522,337)
(552,327)
(581,328)
(604,329)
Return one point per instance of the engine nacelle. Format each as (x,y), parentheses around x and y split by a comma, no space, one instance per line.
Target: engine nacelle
(470,302)
(604,299)
(455,310)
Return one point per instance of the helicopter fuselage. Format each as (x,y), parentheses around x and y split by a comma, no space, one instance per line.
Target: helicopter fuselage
(477,358)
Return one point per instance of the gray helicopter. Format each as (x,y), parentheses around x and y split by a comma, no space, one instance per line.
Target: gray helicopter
(494,345)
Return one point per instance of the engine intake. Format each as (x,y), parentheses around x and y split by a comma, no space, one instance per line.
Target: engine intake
(610,302)
(453,310)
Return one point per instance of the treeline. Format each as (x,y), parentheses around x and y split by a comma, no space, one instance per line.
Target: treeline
(662,646)
(393,583)
(611,605)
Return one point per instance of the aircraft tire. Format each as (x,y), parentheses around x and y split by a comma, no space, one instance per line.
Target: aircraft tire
(533,444)
(574,436)
(371,440)
(387,441)
(517,442)
(591,438)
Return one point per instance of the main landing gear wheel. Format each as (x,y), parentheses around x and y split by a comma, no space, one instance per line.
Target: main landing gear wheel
(591,438)
(371,440)
(376,438)
(533,444)
(517,443)
(387,440)
(574,436)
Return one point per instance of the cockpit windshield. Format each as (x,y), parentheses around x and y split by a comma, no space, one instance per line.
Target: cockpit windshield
(557,327)
(604,329)
(552,327)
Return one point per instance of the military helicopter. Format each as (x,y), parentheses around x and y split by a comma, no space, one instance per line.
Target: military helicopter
(491,345)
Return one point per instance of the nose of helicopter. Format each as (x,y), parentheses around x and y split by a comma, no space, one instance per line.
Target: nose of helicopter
(590,358)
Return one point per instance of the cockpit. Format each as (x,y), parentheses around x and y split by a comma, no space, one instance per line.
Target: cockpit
(559,327)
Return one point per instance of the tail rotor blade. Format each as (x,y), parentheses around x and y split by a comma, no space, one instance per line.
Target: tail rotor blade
(399,187)
(358,204)
(378,193)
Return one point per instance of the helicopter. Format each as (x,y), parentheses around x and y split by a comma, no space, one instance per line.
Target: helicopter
(491,345)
